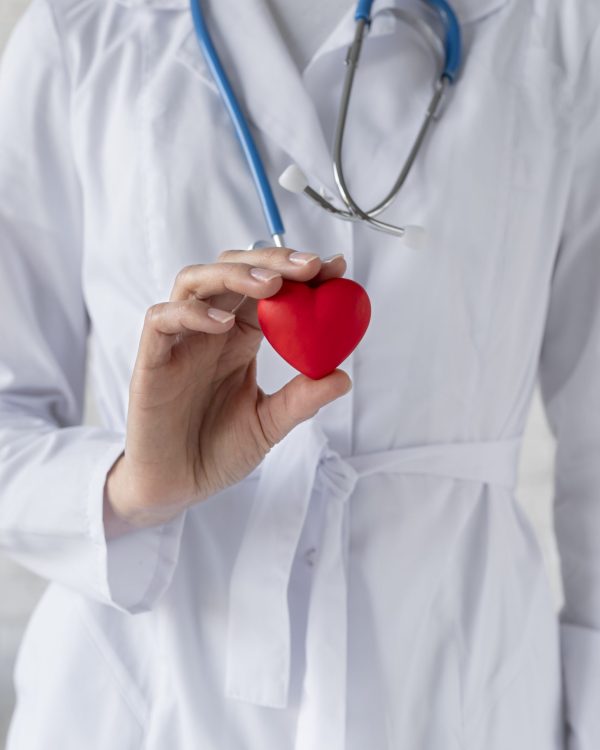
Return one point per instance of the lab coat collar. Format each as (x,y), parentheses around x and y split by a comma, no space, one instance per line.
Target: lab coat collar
(467,10)
(267,81)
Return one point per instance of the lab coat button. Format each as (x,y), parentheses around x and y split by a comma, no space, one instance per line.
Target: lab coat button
(309,556)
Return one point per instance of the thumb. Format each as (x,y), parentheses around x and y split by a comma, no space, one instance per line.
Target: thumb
(298,400)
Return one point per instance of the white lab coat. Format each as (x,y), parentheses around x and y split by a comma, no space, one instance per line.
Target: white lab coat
(374,583)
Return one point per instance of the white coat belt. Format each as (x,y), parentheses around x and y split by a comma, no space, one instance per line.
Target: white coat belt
(258,647)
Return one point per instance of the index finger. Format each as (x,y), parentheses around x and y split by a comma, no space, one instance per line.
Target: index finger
(297,266)
(291,264)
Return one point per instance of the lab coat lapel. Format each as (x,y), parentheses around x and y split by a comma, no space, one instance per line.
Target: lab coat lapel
(265,78)
(266,81)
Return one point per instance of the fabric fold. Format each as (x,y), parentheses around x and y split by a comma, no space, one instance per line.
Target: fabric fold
(258,641)
(581,663)
(258,650)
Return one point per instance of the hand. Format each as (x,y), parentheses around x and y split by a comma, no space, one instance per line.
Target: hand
(197,420)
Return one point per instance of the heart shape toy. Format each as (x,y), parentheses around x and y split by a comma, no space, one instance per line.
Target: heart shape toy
(315,327)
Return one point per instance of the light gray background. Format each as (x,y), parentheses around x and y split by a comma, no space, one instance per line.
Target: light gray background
(19,590)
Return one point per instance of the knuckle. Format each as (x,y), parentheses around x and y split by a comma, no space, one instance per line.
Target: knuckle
(274,254)
(293,405)
(224,255)
(153,313)
(236,269)
(269,433)
(183,275)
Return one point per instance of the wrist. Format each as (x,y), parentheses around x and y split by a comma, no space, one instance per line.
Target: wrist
(115,523)
(125,507)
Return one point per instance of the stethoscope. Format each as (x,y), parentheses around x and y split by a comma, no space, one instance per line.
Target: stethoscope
(439,27)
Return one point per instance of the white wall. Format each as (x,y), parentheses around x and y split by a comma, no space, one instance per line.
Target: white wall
(10,10)
(19,590)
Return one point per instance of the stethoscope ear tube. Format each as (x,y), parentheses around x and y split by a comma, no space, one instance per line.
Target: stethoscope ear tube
(453,42)
(255,164)
(295,181)
(448,71)
(363,11)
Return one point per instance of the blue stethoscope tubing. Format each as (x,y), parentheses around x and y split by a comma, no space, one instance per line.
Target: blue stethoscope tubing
(449,74)
(255,163)
(452,42)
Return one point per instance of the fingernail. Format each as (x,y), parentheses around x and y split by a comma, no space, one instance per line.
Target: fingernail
(331,258)
(221,316)
(301,259)
(263,274)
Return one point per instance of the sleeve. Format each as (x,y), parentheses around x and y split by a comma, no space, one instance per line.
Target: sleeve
(570,386)
(53,469)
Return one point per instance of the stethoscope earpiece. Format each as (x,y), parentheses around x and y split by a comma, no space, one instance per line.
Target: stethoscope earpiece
(415,237)
(293,179)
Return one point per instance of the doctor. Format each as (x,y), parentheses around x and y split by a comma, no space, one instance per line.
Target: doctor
(333,564)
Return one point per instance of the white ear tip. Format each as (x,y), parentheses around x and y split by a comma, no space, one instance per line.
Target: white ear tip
(293,179)
(415,237)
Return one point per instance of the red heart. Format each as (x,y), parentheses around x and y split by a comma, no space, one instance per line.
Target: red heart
(315,327)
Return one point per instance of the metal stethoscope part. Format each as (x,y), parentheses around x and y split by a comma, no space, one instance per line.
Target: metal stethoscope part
(294,180)
(448,49)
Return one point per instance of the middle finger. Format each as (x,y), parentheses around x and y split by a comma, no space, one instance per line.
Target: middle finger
(206,280)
